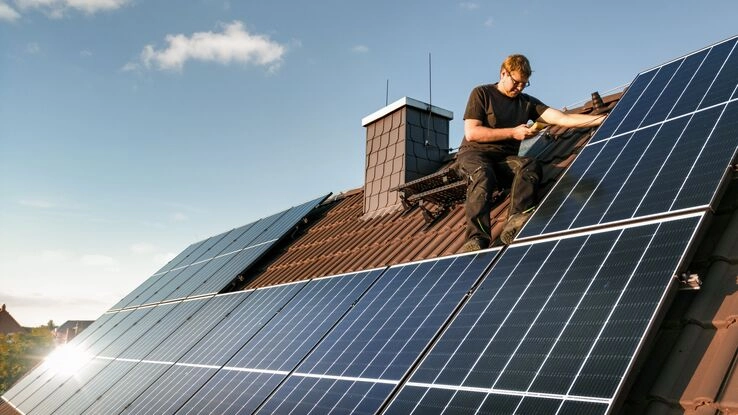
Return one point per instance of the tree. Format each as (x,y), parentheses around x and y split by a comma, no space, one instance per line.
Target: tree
(20,352)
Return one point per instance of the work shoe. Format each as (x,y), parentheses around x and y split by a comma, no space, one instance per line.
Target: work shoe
(513,225)
(474,244)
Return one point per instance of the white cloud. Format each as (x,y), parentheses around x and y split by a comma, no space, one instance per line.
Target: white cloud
(33,48)
(8,13)
(233,44)
(360,49)
(37,203)
(143,248)
(59,8)
(489,22)
(93,260)
(178,217)
(85,53)
(46,256)
(469,5)
(130,67)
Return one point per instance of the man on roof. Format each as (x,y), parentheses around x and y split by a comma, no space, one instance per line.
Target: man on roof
(495,123)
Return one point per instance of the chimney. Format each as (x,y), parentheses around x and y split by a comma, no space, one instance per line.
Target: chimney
(597,103)
(405,140)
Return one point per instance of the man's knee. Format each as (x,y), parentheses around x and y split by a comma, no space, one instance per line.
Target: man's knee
(530,170)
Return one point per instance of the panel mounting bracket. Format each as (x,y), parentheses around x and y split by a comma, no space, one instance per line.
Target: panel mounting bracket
(688,281)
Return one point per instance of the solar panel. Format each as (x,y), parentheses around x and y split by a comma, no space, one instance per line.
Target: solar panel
(51,379)
(206,357)
(64,385)
(212,264)
(164,355)
(41,373)
(81,392)
(661,169)
(664,149)
(262,364)
(358,364)
(554,326)
(177,261)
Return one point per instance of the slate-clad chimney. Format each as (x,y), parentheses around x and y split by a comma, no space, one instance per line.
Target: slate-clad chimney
(400,148)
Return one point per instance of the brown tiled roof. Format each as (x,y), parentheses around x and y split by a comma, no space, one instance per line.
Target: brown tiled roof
(691,366)
(7,409)
(7,322)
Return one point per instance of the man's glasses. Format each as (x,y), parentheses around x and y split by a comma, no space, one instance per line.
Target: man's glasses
(517,83)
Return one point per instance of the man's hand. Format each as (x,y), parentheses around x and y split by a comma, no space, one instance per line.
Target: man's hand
(522,132)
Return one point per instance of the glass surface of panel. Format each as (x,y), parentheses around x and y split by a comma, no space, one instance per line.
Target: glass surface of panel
(624,105)
(302,395)
(303,322)
(382,335)
(226,338)
(115,399)
(357,365)
(217,397)
(170,391)
(241,386)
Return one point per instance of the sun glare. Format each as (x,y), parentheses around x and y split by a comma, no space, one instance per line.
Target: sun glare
(66,360)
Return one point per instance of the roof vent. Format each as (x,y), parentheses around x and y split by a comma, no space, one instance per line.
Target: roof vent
(597,103)
(405,140)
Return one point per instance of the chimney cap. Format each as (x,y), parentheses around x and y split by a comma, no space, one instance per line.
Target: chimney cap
(402,102)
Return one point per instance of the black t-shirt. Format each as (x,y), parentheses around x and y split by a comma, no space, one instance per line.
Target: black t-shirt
(496,110)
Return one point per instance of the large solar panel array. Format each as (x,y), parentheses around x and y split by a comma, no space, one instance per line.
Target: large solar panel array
(356,367)
(552,324)
(555,326)
(664,149)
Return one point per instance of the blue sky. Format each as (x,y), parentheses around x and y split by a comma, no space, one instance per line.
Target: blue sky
(130,129)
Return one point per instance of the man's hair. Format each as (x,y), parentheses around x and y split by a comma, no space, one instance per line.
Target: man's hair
(517,63)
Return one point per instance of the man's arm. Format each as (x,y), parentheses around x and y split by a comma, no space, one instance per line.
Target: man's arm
(475,131)
(556,117)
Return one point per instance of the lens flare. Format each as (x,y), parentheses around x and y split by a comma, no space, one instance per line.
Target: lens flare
(66,360)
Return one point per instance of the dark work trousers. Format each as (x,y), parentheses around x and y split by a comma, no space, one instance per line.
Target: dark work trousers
(486,172)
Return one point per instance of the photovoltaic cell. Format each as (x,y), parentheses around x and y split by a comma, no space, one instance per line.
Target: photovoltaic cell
(208,356)
(308,395)
(263,363)
(554,325)
(364,357)
(163,270)
(664,168)
(624,105)
(51,379)
(118,395)
(113,398)
(703,79)
(65,385)
(219,397)
(171,390)
(41,374)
